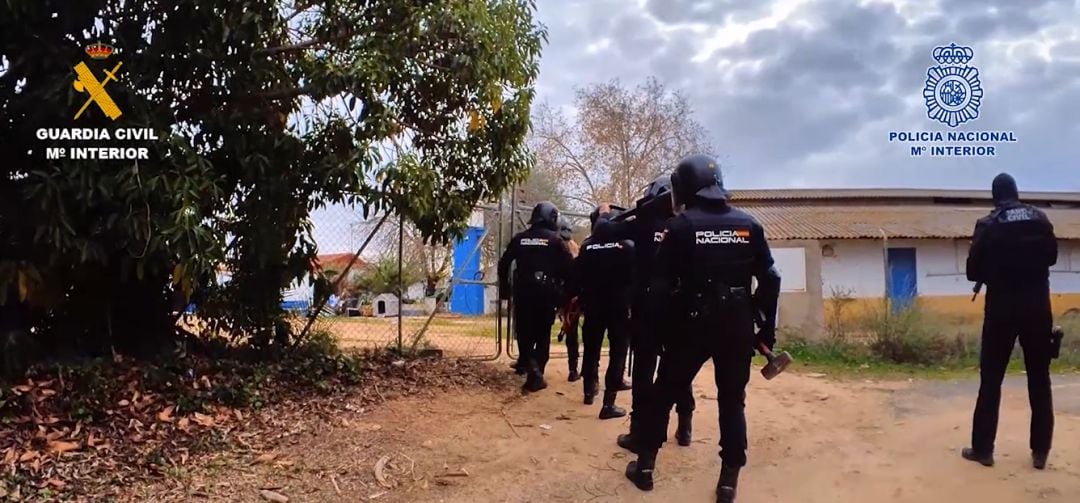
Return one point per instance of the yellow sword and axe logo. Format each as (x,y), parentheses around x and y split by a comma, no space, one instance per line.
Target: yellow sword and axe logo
(86,82)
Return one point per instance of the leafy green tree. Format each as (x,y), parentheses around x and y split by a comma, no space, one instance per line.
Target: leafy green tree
(381,276)
(266,110)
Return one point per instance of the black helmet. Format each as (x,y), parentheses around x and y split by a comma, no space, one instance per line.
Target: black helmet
(697,176)
(545,214)
(565,230)
(1004,189)
(659,186)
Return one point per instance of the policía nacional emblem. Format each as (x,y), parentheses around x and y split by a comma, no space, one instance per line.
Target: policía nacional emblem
(953,91)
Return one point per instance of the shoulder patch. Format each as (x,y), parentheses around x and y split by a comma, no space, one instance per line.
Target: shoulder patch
(534,242)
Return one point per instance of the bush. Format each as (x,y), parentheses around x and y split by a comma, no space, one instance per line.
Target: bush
(914,336)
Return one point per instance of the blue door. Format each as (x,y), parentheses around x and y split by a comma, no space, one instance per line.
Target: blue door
(901,277)
(467,297)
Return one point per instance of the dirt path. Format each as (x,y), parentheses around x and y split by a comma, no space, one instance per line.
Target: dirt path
(813,439)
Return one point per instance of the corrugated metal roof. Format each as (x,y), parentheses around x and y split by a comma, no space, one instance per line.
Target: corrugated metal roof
(928,195)
(874,221)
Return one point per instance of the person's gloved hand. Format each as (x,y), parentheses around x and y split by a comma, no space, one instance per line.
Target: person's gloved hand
(766,336)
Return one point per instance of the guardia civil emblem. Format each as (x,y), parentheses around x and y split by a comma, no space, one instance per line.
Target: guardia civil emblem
(953,91)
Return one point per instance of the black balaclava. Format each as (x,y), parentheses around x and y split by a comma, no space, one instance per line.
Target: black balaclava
(1004,189)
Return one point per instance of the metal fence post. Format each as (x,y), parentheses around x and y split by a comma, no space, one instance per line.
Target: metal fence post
(401,287)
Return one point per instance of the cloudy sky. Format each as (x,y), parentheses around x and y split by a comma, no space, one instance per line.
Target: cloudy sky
(803,93)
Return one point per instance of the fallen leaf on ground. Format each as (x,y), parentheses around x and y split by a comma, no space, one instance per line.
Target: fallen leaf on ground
(59,446)
(265,458)
(27,456)
(204,420)
(563,417)
(545,427)
(165,415)
(273,496)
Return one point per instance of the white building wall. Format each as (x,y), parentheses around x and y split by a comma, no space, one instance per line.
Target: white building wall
(858,266)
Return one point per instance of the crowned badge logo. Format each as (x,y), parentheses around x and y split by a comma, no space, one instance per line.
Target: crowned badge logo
(953,91)
(86,82)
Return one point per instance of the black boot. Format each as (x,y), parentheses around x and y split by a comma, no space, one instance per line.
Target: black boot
(627,441)
(1038,459)
(573,375)
(984,459)
(590,390)
(725,487)
(535,382)
(610,410)
(682,434)
(640,471)
(624,386)
(519,368)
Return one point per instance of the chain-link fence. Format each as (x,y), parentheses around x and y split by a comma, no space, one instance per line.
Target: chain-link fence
(393,290)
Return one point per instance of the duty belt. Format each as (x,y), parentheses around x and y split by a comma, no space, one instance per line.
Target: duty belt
(714,294)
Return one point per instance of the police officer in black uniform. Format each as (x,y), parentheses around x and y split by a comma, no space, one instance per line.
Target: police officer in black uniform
(543,266)
(603,273)
(1012,251)
(645,230)
(704,265)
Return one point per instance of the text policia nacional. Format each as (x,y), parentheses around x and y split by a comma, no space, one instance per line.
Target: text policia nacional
(956,137)
(102,150)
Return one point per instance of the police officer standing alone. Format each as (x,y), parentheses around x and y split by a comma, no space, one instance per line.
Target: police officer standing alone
(1012,251)
(704,265)
(570,314)
(543,266)
(645,230)
(603,277)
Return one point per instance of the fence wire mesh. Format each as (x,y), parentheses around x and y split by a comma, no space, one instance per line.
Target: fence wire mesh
(406,294)
(402,293)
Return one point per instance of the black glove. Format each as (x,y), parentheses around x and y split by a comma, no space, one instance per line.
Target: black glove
(766,336)
(561,336)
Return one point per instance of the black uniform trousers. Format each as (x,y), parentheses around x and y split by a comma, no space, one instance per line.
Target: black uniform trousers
(572,344)
(644,334)
(1004,322)
(727,339)
(534,316)
(613,318)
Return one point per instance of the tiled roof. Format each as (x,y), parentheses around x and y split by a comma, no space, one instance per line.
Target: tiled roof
(930,196)
(844,221)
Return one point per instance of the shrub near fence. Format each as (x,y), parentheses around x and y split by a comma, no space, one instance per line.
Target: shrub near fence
(916,336)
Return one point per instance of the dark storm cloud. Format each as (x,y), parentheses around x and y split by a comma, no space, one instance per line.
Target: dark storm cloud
(811,100)
(705,11)
(813,88)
